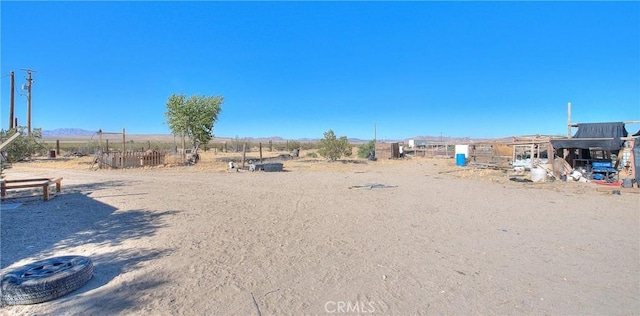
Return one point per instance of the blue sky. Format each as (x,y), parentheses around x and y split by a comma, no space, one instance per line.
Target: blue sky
(297,69)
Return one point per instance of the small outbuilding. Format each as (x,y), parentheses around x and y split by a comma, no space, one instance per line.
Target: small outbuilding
(387,150)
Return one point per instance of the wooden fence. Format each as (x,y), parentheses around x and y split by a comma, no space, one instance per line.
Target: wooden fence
(130,159)
(437,150)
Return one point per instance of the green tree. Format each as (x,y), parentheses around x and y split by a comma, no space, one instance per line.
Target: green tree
(292,144)
(365,149)
(334,148)
(193,117)
(22,147)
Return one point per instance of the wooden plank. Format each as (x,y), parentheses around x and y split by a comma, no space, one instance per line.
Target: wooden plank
(26,180)
(27,185)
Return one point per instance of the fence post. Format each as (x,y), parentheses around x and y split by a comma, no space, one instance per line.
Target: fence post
(244,153)
(124,148)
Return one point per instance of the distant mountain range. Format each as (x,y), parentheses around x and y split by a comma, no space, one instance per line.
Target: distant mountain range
(67,132)
(276,139)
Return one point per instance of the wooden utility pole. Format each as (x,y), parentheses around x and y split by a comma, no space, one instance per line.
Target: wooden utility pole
(29,84)
(13,99)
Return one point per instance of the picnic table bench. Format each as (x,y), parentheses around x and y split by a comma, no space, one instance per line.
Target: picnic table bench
(43,183)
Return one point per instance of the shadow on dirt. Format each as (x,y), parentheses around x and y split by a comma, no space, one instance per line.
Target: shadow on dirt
(37,229)
(112,300)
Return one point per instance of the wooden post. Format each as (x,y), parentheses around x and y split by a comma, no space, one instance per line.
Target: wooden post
(260,152)
(45,189)
(57,147)
(244,153)
(12,102)
(107,149)
(148,145)
(182,155)
(569,120)
(124,148)
(532,155)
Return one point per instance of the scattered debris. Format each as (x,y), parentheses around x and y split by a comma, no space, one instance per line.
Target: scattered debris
(370,186)
(255,303)
(481,165)
(519,180)
(620,189)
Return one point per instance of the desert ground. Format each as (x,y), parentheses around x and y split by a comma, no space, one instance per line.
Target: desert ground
(441,239)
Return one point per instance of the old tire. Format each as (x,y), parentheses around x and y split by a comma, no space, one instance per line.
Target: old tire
(45,280)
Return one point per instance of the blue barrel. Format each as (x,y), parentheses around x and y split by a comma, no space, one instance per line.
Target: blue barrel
(460,160)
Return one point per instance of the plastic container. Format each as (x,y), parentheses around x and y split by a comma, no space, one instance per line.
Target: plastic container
(538,175)
(461,161)
(272,167)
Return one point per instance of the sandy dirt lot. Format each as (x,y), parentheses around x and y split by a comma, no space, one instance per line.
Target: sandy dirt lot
(200,240)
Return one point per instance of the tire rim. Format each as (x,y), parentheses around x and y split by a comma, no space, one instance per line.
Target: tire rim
(47,269)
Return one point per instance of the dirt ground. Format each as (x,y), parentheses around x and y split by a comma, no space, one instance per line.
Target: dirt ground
(440,239)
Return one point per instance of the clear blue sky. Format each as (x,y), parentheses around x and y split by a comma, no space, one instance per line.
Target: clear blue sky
(297,69)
